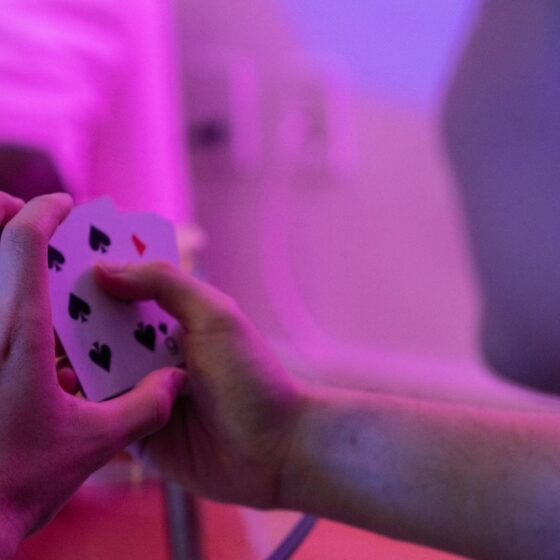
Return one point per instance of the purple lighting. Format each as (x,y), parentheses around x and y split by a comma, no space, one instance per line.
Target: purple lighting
(399,49)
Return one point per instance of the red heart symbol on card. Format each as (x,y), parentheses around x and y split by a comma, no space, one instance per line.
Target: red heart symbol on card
(139,244)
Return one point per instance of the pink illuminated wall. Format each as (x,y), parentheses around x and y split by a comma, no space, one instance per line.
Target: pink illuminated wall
(374,261)
(398,49)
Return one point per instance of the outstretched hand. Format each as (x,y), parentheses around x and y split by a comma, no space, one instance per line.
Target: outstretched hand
(50,441)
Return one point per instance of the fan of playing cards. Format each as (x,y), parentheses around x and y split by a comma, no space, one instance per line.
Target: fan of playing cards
(110,343)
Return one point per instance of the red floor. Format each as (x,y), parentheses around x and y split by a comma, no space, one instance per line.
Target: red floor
(108,523)
(125,521)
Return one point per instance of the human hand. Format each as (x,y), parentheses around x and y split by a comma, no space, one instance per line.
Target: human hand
(229,438)
(50,441)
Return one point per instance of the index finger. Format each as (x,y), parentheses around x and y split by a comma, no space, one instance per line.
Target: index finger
(198,306)
(23,246)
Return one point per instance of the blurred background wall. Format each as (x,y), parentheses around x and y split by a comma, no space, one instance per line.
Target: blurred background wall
(337,227)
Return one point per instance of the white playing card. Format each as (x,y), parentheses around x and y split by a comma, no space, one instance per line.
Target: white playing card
(111,344)
(151,237)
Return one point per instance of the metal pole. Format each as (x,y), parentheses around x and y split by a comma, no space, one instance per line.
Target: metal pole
(181,520)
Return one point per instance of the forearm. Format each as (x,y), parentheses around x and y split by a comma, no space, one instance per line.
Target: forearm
(473,482)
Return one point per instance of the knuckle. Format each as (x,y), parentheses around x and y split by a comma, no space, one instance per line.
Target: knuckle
(25,234)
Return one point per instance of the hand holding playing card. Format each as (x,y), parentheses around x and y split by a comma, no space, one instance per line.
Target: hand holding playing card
(50,441)
(229,438)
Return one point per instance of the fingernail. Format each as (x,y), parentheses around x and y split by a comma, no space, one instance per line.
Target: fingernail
(112,268)
(66,195)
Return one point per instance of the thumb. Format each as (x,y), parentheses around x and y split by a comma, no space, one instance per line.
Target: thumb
(197,306)
(146,408)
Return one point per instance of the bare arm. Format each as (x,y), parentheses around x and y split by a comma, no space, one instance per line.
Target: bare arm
(473,482)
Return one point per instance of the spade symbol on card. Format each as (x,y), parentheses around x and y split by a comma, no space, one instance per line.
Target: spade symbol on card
(146,336)
(139,244)
(162,328)
(100,355)
(56,259)
(98,240)
(78,308)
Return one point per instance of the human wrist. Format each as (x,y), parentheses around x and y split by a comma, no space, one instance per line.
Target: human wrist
(337,434)
(297,468)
